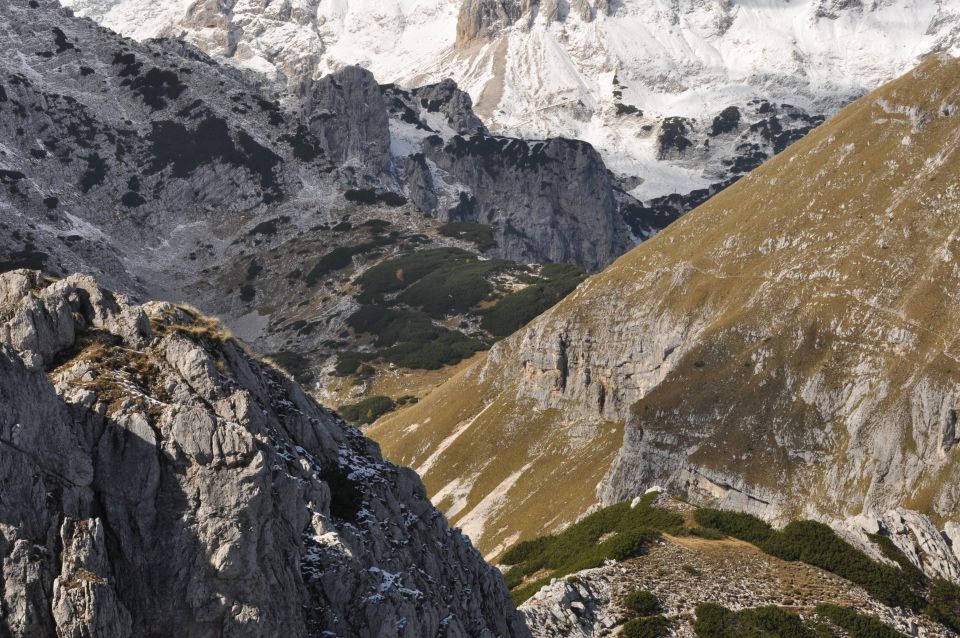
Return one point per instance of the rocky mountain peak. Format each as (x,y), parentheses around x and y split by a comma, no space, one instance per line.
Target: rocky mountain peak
(156,474)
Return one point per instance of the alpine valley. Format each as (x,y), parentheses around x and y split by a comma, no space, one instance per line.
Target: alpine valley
(647,309)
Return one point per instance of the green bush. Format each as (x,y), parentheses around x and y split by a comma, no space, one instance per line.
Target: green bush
(856,624)
(367,411)
(945,603)
(479,234)
(518,308)
(452,288)
(341,257)
(891,551)
(408,339)
(716,621)
(818,545)
(391,326)
(396,274)
(642,603)
(439,282)
(629,531)
(707,533)
(743,526)
(350,362)
(650,627)
(448,348)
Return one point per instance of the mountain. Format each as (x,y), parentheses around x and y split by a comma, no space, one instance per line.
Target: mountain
(170,176)
(786,349)
(157,475)
(677,96)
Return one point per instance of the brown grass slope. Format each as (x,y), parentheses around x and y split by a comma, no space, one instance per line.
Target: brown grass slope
(789,348)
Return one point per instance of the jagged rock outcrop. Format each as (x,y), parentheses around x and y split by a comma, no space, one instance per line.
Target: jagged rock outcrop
(576,607)
(481,19)
(784,349)
(935,552)
(156,475)
(345,110)
(565,185)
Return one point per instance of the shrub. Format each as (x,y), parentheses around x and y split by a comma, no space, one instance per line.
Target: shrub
(408,339)
(642,603)
(945,603)
(479,234)
(448,348)
(743,526)
(370,196)
(350,362)
(707,533)
(856,624)
(650,627)
(341,257)
(716,621)
(396,274)
(518,308)
(818,545)
(368,410)
(579,547)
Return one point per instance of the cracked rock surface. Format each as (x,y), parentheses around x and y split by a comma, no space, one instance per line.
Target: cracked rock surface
(157,475)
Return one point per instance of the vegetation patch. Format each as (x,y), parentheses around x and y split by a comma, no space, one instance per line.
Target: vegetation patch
(408,339)
(370,196)
(519,308)
(479,234)
(618,532)
(642,603)
(716,621)
(342,257)
(648,627)
(368,410)
(818,545)
(857,625)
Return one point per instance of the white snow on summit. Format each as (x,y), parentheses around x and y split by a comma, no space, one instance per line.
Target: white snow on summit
(563,67)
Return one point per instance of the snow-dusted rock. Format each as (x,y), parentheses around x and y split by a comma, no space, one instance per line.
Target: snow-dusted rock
(168,479)
(578,69)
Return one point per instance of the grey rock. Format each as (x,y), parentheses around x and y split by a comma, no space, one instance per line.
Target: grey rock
(345,110)
(481,19)
(165,478)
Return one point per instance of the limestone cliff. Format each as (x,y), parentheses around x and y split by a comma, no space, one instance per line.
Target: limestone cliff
(158,476)
(786,349)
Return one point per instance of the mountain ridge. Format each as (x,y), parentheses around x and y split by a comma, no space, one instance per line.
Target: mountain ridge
(668,316)
(615,74)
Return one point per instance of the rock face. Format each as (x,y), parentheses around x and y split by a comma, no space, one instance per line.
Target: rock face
(782,350)
(481,19)
(615,74)
(170,176)
(156,475)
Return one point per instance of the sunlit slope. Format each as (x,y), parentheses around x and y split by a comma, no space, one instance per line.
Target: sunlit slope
(789,348)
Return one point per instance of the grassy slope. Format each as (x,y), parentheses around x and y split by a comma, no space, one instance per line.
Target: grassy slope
(850,232)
